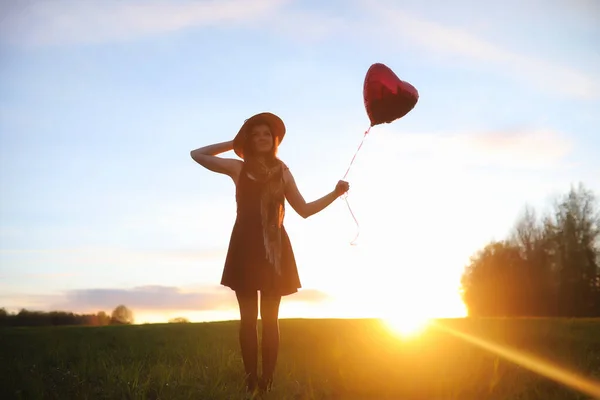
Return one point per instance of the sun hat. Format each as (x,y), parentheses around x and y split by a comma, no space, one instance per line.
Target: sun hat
(275,123)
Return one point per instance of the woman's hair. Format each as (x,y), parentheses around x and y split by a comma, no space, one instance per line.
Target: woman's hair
(248,148)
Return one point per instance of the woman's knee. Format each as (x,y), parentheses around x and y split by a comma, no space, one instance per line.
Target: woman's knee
(248,325)
(269,309)
(270,326)
(248,305)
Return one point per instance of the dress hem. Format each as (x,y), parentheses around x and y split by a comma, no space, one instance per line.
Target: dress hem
(279,292)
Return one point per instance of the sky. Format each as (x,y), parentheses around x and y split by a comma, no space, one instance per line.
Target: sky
(102,101)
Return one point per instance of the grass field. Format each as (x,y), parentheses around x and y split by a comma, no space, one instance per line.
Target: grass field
(319,359)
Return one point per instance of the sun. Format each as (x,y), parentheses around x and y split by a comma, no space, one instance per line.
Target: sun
(407,326)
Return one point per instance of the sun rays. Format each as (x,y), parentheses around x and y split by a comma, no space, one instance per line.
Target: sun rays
(407,326)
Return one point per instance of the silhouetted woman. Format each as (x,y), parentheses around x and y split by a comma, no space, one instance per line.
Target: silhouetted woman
(260,255)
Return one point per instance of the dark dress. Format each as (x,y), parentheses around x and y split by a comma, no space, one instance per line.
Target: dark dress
(246,266)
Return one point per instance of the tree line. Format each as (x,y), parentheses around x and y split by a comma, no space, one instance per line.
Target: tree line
(121,315)
(548,266)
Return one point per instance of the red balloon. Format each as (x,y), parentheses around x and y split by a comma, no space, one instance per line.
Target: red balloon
(387,98)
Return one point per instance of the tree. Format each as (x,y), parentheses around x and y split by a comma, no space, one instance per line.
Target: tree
(547,266)
(122,315)
(530,236)
(492,283)
(102,318)
(575,233)
(179,320)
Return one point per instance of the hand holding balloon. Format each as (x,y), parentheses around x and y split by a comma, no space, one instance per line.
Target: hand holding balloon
(341,187)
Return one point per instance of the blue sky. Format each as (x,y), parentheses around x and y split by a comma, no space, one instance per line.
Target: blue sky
(101,102)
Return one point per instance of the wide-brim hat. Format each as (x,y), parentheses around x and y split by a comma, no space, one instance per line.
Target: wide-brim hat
(275,124)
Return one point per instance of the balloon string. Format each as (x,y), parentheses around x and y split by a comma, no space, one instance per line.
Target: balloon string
(353,242)
(355,153)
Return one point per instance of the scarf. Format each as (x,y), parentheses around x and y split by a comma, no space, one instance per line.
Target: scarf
(272,208)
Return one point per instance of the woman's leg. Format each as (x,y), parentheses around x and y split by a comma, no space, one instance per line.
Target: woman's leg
(248,304)
(269,314)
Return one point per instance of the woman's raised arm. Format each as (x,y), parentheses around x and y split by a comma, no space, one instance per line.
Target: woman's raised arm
(207,157)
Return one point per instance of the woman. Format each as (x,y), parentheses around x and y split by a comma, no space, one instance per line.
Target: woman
(260,255)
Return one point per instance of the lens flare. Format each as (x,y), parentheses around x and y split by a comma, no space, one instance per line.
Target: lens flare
(407,325)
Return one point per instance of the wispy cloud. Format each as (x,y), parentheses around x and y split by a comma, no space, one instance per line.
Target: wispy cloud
(65,22)
(543,147)
(42,275)
(103,255)
(442,39)
(528,148)
(149,298)
(309,25)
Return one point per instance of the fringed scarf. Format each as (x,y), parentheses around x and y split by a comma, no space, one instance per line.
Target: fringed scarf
(271,206)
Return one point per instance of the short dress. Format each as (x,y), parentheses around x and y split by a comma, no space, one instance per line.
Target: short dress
(246,265)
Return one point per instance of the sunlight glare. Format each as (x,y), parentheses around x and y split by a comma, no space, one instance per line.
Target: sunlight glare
(407,325)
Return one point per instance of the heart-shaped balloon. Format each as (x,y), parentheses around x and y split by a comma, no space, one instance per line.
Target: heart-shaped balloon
(387,98)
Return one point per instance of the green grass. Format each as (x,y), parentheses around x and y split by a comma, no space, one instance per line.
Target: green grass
(319,359)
